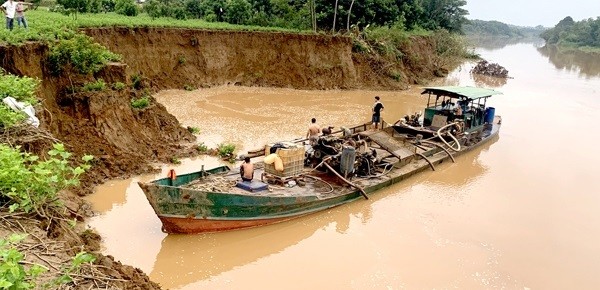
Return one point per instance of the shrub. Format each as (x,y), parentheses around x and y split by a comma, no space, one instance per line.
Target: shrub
(29,184)
(80,52)
(98,85)
(119,86)
(9,118)
(136,81)
(140,103)
(126,7)
(225,150)
(13,274)
(202,148)
(20,88)
(189,87)
(193,130)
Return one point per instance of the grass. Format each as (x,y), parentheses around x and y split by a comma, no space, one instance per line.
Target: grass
(48,26)
(98,85)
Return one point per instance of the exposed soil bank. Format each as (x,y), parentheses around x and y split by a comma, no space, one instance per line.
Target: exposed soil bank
(124,140)
(174,58)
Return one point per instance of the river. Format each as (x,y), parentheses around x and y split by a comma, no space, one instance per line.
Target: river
(521,212)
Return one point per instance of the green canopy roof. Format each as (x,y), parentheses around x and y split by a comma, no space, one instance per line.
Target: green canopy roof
(461,92)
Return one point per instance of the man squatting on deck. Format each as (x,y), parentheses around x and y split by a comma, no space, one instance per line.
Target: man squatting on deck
(247,170)
(377,108)
(313,132)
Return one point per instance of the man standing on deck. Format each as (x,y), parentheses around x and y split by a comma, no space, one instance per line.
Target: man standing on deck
(377,108)
(313,132)
(9,7)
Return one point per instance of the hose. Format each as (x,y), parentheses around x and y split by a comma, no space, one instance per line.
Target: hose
(319,179)
(440,146)
(426,159)
(439,135)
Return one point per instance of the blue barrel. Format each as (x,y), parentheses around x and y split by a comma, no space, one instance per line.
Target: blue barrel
(489,115)
(347,160)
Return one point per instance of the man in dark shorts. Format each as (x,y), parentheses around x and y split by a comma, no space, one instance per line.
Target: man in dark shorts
(377,108)
(247,170)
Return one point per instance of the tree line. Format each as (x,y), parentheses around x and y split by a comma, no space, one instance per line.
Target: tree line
(500,29)
(570,33)
(318,15)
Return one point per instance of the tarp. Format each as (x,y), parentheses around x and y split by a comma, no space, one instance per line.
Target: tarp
(23,107)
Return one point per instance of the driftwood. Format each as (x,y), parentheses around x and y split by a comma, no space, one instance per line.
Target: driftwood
(490,69)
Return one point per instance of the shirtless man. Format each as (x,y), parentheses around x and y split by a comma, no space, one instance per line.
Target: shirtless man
(247,170)
(313,132)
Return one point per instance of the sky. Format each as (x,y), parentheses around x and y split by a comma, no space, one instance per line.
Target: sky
(532,12)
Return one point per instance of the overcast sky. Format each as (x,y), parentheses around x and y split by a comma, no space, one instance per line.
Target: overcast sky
(532,12)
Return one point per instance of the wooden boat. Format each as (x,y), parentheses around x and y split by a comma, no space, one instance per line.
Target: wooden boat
(342,167)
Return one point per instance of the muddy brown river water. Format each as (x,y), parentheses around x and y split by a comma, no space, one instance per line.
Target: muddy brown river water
(522,212)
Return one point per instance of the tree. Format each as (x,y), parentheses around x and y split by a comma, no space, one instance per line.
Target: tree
(446,14)
(77,5)
(238,11)
(349,13)
(126,7)
(552,36)
(334,15)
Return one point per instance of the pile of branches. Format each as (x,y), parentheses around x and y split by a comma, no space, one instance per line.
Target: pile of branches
(49,254)
(490,69)
(30,138)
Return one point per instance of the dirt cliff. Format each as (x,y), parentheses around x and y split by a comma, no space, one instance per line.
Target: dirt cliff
(174,58)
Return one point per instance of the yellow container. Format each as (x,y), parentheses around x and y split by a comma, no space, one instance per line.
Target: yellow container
(292,157)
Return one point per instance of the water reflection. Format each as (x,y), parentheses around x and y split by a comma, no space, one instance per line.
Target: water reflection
(496,43)
(467,169)
(583,63)
(185,259)
(488,81)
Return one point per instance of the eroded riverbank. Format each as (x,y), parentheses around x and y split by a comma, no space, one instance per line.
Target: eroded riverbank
(510,215)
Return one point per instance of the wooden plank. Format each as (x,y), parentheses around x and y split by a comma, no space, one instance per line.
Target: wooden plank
(389,143)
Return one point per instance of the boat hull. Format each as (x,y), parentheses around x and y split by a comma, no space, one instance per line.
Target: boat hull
(183,225)
(187,211)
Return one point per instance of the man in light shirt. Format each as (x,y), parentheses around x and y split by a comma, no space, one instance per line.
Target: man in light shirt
(9,7)
(20,13)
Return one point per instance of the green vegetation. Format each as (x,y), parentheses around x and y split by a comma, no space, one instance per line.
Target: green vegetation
(225,151)
(119,86)
(81,53)
(193,130)
(13,274)
(252,15)
(29,184)
(98,85)
(20,88)
(136,81)
(582,34)
(126,7)
(202,148)
(73,269)
(140,103)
